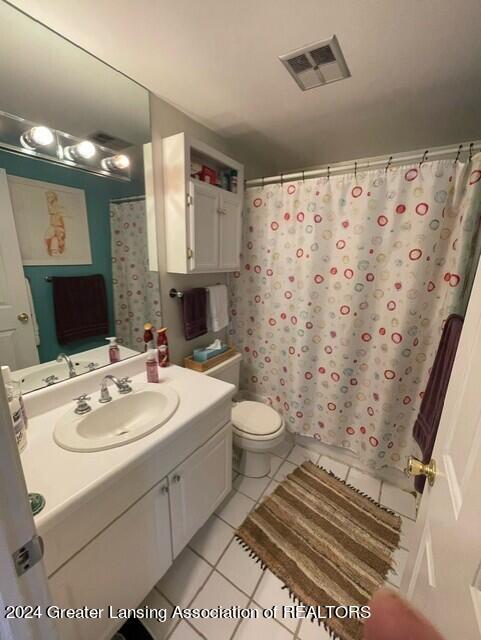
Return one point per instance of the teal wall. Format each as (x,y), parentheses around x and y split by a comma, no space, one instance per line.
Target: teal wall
(98,192)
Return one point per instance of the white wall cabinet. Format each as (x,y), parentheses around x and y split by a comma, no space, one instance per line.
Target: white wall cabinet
(203,213)
(120,566)
(198,486)
(202,221)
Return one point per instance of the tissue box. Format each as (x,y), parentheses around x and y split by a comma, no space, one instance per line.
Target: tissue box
(201,355)
(190,363)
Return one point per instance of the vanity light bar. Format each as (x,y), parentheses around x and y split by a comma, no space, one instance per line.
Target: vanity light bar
(19,135)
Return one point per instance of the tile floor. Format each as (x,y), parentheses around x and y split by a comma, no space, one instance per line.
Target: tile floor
(214,570)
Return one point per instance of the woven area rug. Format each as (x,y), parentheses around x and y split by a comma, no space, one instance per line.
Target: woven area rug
(329,544)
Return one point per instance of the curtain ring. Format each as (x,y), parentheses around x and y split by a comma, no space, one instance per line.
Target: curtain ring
(263,179)
(424,158)
(388,164)
(282,179)
(303,178)
(471,151)
(458,153)
(355,170)
(328,172)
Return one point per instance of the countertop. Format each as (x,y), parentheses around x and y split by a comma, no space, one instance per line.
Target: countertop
(66,478)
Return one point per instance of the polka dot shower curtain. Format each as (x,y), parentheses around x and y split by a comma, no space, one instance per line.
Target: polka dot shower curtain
(136,289)
(343,291)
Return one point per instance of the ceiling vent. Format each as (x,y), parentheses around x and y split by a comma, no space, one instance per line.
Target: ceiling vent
(316,64)
(107,140)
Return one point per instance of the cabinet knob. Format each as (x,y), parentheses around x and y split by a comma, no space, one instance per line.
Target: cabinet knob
(176,478)
(165,489)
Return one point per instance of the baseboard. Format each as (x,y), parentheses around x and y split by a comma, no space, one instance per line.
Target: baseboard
(388,474)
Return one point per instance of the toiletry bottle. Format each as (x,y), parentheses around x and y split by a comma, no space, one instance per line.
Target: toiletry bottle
(163,347)
(7,379)
(114,351)
(152,367)
(149,342)
(163,355)
(13,394)
(233,181)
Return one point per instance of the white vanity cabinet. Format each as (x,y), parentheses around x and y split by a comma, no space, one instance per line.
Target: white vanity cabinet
(122,563)
(198,486)
(117,567)
(202,221)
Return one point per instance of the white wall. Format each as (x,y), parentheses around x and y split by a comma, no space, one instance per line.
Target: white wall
(167,121)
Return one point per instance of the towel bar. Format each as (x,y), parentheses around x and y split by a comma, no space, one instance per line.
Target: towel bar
(175,293)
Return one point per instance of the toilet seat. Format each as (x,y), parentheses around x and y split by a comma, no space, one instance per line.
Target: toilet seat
(256,421)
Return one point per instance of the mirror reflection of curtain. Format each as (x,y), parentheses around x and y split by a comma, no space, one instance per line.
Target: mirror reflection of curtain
(136,290)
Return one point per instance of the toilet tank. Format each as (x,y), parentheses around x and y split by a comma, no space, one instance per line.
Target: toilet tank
(228,371)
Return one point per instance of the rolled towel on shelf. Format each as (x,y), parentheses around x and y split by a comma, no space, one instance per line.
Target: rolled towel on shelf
(217,307)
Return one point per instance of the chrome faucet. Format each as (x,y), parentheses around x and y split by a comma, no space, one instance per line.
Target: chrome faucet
(122,385)
(71,369)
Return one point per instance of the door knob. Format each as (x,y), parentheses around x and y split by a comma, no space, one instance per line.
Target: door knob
(415,468)
(23,317)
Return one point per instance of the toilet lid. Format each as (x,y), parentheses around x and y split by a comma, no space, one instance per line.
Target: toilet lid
(255,418)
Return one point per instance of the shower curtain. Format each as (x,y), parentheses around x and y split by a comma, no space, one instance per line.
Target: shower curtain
(136,289)
(344,287)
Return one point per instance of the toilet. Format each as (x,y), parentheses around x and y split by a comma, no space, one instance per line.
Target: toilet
(257,428)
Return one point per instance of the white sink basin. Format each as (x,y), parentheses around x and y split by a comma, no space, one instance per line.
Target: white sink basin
(124,419)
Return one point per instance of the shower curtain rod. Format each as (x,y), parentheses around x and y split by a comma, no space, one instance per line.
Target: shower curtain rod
(353,166)
(128,198)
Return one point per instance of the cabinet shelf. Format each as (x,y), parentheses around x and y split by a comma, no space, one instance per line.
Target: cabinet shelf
(202,220)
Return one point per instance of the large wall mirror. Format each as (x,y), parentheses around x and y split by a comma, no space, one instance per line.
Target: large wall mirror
(78,261)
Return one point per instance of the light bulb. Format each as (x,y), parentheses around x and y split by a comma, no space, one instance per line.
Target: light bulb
(120,161)
(37,137)
(84,150)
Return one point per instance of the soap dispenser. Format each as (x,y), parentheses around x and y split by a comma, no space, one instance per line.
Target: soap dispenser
(151,366)
(114,351)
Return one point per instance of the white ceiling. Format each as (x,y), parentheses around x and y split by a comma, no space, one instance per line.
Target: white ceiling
(415,65)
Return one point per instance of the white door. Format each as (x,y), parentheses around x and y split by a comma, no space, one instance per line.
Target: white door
(17,339)
(443,573)
(204,227)
(17,532)
(229,231)
(198,486)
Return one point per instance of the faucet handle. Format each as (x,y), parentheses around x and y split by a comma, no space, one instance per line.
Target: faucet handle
(125,384)
(82,404)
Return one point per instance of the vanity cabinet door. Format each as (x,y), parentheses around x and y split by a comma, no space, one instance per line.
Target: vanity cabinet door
(119,567)
(198,486)
(204,227)
(229,231)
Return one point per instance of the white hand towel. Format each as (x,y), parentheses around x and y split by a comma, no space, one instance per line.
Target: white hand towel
(33,317)
(217,311)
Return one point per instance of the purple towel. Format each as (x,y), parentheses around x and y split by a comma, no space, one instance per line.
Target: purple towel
(80,305)
(427,422)
(194,308)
